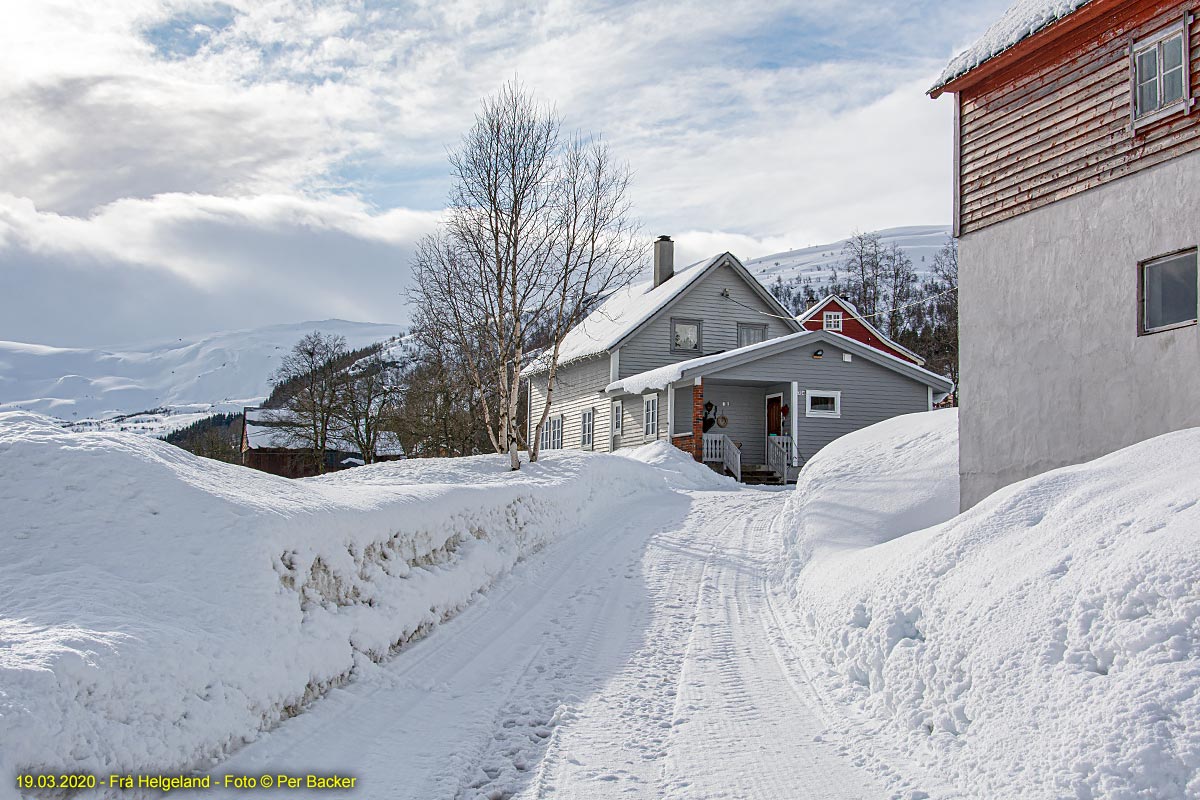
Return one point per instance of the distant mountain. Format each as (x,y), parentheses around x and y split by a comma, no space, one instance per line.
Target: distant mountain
(160,386)
(921,243)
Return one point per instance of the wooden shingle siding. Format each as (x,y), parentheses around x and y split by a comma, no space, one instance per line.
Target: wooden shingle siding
(650,347)
(1058,122)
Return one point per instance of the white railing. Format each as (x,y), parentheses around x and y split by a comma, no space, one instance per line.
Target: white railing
(779,455)
(731,458)
(713,447)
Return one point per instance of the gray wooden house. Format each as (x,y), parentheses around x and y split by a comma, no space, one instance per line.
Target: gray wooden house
(707,359)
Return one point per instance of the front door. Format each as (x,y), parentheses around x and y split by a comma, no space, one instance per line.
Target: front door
(775,415)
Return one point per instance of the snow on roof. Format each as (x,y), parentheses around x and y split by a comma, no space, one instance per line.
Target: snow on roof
(854,312)
(1022,20)
(662,377)
(621,313)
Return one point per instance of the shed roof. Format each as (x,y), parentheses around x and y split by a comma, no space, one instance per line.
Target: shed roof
(1024,19)
(662,377)
(266,429)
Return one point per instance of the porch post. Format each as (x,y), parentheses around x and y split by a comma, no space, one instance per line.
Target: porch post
(795,419)
(698,420)
(671,413)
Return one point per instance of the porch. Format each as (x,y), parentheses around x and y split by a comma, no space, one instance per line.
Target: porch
(739,428)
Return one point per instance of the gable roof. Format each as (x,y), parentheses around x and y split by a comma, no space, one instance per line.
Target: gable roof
(628,310)
(852,310)
(662,377)
(1023,20)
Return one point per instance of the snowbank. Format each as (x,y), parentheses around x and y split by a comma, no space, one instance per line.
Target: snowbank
(1045,644)
(157,609)
(677,470)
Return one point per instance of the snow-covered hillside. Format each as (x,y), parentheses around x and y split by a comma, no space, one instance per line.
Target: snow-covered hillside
(177,382)
(920,243)
(1045,644)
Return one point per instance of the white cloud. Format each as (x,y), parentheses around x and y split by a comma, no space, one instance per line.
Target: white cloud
(239,149)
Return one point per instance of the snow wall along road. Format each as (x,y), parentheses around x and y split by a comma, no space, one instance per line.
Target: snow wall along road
(158,609)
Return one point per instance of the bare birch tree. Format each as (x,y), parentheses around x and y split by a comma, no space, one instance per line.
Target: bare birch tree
(538,226)
(367,402)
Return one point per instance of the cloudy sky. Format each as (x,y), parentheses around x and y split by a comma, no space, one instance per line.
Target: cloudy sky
(170,167)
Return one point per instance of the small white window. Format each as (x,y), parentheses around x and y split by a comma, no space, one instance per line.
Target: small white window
(751,334)
(823,404)
(1160,73)
(650,416)
(1169,292)
(832,321)
(587,429)
(552,433)
(617,417)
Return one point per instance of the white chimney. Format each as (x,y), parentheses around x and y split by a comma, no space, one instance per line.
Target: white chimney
(664,260)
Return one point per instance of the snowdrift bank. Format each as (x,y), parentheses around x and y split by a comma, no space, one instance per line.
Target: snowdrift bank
(1045,644)
(157,609)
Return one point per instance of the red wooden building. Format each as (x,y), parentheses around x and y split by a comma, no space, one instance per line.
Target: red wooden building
(841,316)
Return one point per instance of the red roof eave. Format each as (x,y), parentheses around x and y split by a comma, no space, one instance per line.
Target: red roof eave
(1027,46)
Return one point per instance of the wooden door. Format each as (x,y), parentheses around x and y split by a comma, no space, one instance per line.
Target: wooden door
(775,416)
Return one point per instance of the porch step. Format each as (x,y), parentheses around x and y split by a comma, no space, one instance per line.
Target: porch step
(759,476)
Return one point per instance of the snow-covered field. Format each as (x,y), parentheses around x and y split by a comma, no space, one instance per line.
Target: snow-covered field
(1045,644)
(604,626)
(176,382)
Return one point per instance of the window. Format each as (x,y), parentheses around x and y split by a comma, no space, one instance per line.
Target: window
(751,334)
(617,418)
(686,336)
(587,429)
(650,416)
(552,434)
(1168,291)
(1160,73)
(823,404)
(832,321)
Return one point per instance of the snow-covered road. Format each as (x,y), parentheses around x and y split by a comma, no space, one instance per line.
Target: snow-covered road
(637,659)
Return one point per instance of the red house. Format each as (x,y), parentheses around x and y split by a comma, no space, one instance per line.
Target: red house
(840,316)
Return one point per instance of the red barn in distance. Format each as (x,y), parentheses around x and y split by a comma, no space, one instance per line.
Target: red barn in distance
(840,316)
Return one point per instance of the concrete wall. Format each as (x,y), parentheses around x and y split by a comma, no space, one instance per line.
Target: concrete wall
(650,348)
(1052,369)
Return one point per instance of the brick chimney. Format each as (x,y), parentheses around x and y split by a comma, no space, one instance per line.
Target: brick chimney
(664,260)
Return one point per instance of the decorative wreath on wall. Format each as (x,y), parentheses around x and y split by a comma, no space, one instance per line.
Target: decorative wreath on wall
(722,421)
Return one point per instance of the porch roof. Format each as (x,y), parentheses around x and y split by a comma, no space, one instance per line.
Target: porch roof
(663,377)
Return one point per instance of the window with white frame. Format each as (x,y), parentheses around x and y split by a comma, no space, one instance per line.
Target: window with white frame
(650,416)
(587,429)
(1169,292)
(823,404)
(1161,73)
(832,321)
(617,418)
(687,336)
(552,434)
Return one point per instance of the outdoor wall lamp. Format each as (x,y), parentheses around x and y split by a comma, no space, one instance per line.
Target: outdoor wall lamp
(818,353)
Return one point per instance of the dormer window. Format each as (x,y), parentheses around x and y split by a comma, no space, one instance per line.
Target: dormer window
(1160,74)
(686,336)
(832,321)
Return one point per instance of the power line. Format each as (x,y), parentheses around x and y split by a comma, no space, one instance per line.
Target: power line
(923,300)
